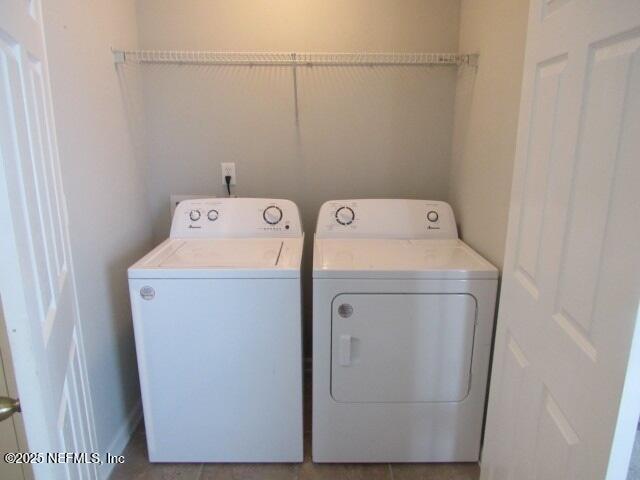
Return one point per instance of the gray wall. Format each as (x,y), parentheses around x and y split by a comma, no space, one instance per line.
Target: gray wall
(486,120)
(362,132)
(105,189)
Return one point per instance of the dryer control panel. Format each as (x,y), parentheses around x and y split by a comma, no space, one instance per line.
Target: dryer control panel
(380,218)
(236,217)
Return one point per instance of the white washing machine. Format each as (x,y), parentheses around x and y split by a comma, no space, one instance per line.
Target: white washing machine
(217,320)
(403,317)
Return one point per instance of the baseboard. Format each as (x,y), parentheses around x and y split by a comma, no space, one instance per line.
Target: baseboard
(121,439)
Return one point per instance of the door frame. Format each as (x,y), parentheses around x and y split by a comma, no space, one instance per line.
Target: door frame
(629,413)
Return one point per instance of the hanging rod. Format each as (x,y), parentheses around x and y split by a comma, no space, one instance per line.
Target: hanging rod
(290,59)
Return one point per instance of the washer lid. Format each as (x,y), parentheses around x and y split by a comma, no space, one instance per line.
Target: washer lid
(238,253)
(391,258)
(221,258)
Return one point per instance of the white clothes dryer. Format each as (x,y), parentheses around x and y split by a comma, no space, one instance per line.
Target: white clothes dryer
(403,315)
(217,320)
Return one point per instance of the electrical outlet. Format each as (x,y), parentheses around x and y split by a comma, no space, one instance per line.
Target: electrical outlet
(228,168)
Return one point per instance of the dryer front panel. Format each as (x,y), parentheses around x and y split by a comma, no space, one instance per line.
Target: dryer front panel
(401,347)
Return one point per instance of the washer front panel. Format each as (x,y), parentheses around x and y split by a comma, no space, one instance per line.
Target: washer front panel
(220,365)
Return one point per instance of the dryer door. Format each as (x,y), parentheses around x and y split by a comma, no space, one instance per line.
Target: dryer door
(402,347)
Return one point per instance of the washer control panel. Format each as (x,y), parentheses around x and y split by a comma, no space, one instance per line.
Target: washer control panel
(374,218)
(272,214)
(236,217)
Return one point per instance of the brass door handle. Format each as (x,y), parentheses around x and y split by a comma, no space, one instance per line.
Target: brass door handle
(8,406)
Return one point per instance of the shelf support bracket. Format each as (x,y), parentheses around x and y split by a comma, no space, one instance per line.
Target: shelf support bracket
(294,69)
(119,56)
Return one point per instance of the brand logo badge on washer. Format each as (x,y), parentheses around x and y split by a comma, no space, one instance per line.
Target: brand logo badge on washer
(345,310)
(147,292)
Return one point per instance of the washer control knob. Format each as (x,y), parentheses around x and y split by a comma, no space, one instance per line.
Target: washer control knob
(272,215)
(212,215)
(432,216)
(194,215)
(345,216)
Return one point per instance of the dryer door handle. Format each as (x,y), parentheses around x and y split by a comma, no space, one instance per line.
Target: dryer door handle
(345,350)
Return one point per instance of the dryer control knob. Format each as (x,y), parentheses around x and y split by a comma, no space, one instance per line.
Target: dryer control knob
(432,216)
(272,215)
(212,215)
(194,215)
(345,216)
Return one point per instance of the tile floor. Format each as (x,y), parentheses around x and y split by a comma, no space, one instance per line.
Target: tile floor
(137,466)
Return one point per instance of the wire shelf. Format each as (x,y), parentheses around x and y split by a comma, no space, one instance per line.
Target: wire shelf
(176,57)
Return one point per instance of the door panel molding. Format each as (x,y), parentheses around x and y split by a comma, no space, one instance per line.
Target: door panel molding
(36,273)
(571,279)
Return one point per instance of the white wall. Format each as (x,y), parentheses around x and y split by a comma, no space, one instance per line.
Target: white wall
(109,225)
(486,117)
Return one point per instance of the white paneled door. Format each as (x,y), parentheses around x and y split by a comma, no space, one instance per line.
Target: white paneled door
(569,302)
(36,278)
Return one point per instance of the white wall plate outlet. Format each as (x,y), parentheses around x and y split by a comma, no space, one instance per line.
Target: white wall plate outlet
(175,199)
(228,168)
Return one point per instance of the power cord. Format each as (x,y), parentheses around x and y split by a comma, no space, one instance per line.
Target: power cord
(227,180)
